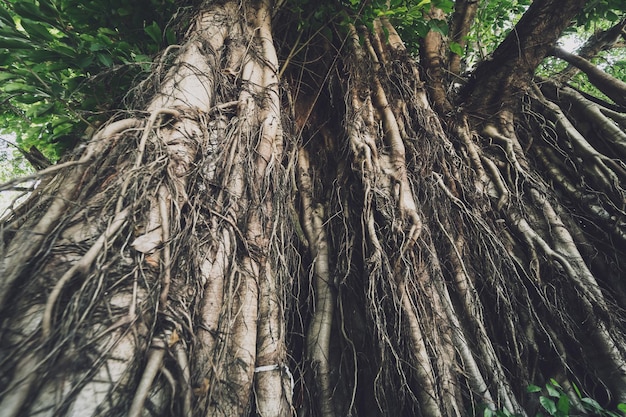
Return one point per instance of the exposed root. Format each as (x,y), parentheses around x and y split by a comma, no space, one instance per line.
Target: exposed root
(164,205)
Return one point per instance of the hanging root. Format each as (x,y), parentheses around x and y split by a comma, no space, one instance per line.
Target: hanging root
(319,331)
(80,267)
(153,365)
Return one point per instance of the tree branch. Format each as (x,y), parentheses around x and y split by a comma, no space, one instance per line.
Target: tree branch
(614,88)
(599,41)
(512,66)
(462,19)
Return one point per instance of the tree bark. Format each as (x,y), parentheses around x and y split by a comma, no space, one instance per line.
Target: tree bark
(512,65)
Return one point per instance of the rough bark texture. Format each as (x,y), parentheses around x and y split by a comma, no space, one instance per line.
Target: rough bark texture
(460,25)
(513,63)
(325,243)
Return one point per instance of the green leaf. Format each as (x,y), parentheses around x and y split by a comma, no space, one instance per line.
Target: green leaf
(84,61)
(107,31)
(533,388)
(5,76)
(43,109)
(553,392)
(611,16)
(621,407)
(105,59)
(47,7)
(548,405)
(591,404)
(30,11)
(18,87)
(36,30)
(64,50)
(170,36)
(28,99)
(456,48)
(447,6)
(563,405)
(555,383)
(440,26)
(15,43)
(6,17)
(154,31)
(95,47)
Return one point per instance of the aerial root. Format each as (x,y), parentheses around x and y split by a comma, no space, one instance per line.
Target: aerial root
(17,392)
(147,130)
(423,365)
(596,162)
(564,243)
(156,354)
(27,242)
(80,266)
(507,143)
(603,124)
(180,353)
(319,331)
(164,210)
(498,181)
(471,305)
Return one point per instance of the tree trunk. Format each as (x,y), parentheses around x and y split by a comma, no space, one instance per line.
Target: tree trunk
(324,242)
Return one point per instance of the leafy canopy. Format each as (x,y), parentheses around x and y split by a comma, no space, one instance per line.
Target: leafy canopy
(67,65)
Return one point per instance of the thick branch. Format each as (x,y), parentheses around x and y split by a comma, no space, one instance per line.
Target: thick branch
(462,18)
(431,52)
(600,41)
(510,70)
(614,89)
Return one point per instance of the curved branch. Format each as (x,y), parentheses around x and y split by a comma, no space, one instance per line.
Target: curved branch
(600,41)
(614,89)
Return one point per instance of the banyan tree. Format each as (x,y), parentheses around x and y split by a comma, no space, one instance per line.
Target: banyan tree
(298,213)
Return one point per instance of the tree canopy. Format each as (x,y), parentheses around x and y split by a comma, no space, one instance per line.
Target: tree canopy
(67,66)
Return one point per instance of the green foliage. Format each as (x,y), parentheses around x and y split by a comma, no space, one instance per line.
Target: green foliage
(493,22)
(555,402)
(610,11)
(409,17)
(66,64)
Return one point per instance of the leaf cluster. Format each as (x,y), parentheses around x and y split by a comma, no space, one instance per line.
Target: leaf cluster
(67,64)
(409,17)
(610,11)
(555,402)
